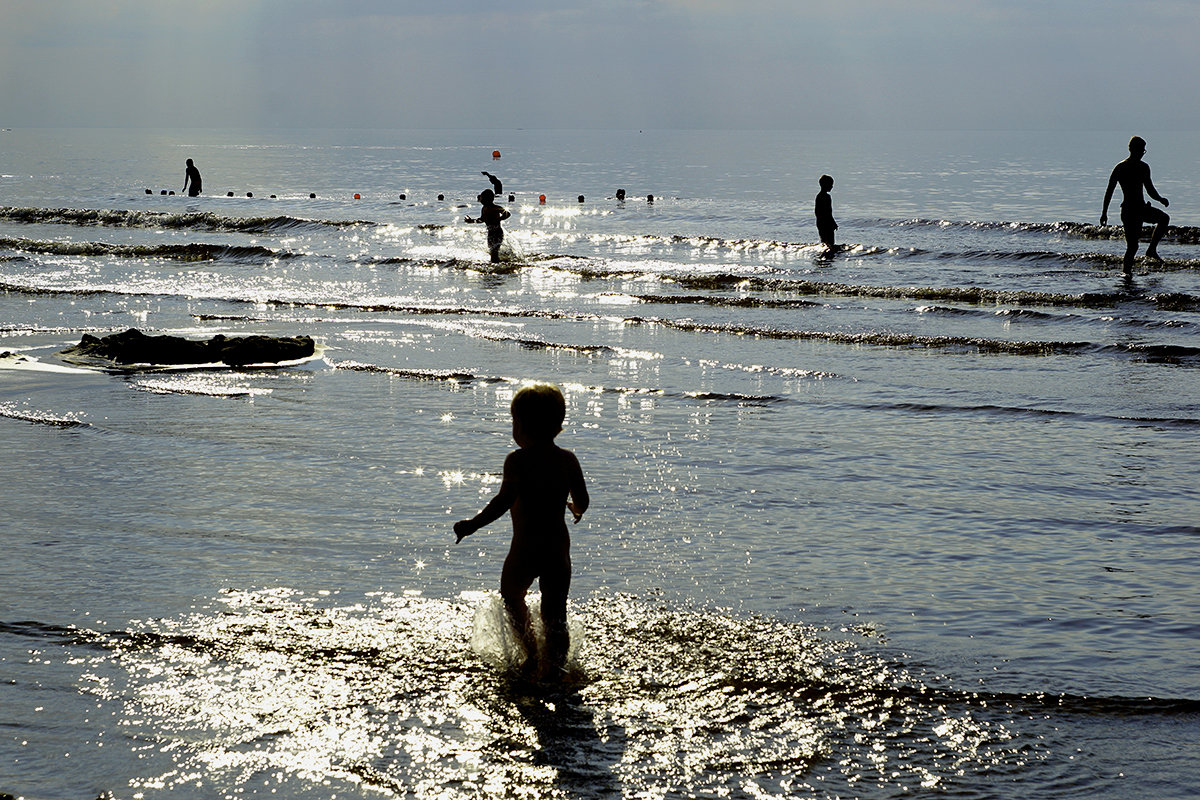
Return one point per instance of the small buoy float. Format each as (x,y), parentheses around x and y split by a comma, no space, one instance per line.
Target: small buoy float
(249,194)
(441,197)
(312,195)
(581,198)
(495,154)
(357,196)
(272,197)
(403,196)
(149,192)
(542,199)
(163,192)
(229,194)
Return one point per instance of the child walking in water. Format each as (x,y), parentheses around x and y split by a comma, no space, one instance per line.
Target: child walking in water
(824,210)
(491,215)
(541,480)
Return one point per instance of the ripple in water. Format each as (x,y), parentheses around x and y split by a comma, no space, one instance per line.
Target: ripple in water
(270,692)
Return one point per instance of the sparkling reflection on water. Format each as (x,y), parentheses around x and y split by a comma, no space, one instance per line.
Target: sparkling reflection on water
(276,693)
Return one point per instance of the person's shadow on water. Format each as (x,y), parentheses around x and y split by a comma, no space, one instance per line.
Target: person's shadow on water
(580,746)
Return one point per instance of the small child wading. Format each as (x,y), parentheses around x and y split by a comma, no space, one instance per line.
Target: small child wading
(824,211)
(541,481)
(491,215)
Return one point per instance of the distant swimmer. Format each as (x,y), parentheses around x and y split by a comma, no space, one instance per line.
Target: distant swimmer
(1133,174)
(541,481)
(824,208)
(491,215)
(497,186)
(192,176)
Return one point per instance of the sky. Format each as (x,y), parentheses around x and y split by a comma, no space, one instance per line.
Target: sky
(602,64)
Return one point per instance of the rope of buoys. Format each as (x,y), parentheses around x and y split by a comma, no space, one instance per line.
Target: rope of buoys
(620,194)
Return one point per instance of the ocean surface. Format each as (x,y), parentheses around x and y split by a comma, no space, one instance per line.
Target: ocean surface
(919,518)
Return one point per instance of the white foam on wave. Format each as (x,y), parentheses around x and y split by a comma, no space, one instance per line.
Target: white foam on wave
(11,359)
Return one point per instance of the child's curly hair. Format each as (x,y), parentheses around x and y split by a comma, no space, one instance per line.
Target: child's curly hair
(541,409)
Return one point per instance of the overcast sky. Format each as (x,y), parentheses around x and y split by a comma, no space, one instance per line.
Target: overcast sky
(626,64)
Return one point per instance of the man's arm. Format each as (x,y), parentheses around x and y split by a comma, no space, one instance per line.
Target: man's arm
(1108,193)
(1150,190)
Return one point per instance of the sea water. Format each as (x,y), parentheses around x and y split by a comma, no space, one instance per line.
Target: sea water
(918,518)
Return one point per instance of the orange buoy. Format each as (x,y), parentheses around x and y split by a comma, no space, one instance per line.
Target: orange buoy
(495,154)
(357,196)
(542,199)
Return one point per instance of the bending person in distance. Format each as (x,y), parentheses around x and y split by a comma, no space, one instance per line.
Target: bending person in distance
(192,176)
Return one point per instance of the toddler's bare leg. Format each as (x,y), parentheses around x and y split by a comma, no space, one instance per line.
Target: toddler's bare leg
(514,583)
(555,586)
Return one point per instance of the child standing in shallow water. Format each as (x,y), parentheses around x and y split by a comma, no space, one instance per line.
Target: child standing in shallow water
(824,210)
(541,480)
(491,215)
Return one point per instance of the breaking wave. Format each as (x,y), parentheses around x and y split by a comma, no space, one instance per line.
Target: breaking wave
(17,412)
(1180,234)
(459,376)
(195,220)
(251,254)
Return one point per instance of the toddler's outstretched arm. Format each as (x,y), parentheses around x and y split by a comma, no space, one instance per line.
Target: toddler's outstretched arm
(493,511)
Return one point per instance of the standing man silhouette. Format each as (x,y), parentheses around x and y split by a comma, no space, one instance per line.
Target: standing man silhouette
(1133,174)
(192,176)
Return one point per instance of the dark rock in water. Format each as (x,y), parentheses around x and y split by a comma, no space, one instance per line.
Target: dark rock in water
(135,347)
